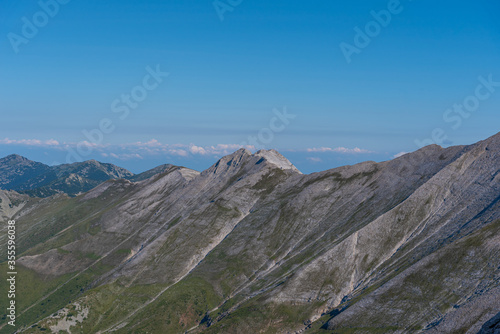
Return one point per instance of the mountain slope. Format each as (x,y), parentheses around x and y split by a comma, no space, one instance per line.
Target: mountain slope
(253,245)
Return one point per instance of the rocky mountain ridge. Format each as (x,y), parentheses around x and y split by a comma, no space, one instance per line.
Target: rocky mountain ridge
(20,174)
(252,245)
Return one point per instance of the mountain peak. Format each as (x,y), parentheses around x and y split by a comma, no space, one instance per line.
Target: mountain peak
(241,151)
(277,159)
(229,161)
(242,155)
(14,157)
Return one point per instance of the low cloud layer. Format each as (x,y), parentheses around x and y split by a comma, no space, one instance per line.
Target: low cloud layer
(355,150)
(127,151)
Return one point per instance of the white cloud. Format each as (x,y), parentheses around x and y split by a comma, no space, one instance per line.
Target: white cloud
(355,150)
(182,153)
(127,150)
(89,144)
(29,142)
(155,147)
(197,150)
(126,156)
(52,142)
(314,159)
(133,150)
(151,143)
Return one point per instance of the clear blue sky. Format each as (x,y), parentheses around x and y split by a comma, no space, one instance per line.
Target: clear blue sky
(227,76)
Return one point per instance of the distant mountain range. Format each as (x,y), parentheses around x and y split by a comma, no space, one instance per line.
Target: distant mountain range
(251,245)
(36,179)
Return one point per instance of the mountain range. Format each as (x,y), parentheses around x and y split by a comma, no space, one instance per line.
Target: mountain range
(37,179)
(251,244)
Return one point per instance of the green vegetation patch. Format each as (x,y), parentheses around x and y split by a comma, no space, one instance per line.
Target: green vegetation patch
(179,308)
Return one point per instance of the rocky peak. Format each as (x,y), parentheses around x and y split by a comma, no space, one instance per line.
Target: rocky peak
(229,162)
(275,158)
(237,159)
(15,170)
(14,156)
(15,159)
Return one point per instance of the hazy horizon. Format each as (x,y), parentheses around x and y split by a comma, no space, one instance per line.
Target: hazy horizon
(209,160)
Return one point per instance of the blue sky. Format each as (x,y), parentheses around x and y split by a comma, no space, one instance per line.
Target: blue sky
(227,79)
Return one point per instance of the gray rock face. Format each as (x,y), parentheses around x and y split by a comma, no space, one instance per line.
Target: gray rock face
(10,203)
(404,246)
